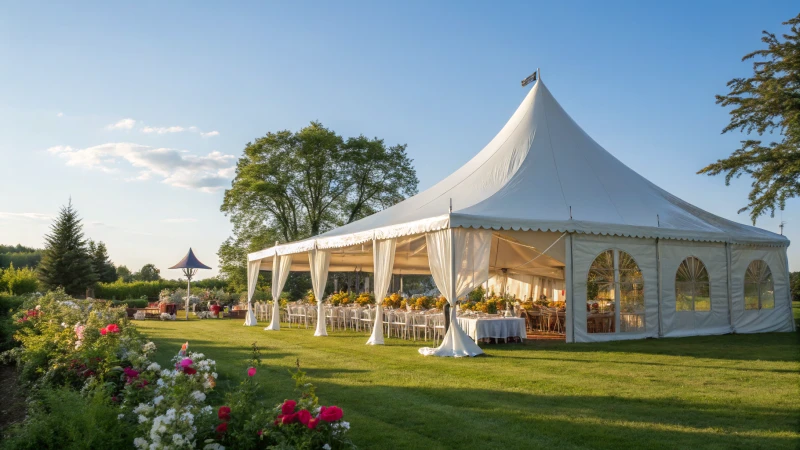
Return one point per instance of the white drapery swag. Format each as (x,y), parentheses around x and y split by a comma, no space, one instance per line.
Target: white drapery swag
(383,260)
(319,261)
(281,265)
(252,279)
(459,262)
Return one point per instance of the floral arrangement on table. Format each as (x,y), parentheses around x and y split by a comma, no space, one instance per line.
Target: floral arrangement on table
(487,306)
(365,298)
(309,298)
(339,299)
(394,301)
(440,302)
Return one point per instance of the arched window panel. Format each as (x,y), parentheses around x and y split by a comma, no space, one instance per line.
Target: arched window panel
(631,291)
(759,289)
(692,286)
(601,294)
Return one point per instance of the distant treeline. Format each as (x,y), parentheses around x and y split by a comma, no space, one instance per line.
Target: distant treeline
(20,256)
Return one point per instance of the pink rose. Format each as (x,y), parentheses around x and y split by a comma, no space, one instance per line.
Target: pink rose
(251,371)
(330,413)
(303,416)
(288,407)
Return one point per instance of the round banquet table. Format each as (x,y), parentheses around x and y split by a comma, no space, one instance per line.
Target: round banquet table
(498,328)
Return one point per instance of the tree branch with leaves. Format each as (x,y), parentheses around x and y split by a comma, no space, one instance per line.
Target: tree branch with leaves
(767,103)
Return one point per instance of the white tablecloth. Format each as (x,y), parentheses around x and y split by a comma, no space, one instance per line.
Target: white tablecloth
(499,328)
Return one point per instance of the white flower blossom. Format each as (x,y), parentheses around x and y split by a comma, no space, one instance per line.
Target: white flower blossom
(216,446)
(158,400)
(345,425)
(199,396)
(140,443)
(120,416)
(142,418)
(154,367)
(326,447)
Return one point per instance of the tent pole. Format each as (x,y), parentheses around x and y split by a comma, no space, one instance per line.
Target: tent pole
(728,261)
(570,299)
(658,284)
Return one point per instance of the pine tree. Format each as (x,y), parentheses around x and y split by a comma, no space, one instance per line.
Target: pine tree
(66,261)
(103,267)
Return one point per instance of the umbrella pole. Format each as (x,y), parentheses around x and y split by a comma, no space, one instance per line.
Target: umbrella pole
(188,288)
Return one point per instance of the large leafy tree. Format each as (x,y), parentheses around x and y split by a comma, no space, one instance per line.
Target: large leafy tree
(124,274)
(66,261)
(103,267)
(149,272)
(767,103)
(292,185)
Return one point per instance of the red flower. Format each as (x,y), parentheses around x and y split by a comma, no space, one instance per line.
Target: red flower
(224,413)
(189,371)
(251,371)
(330,413)
(312,423)
(260,432)
(288,407)
(289,418)
(222,428)
(112,328)
(130,373)
(103,331)
(303,416)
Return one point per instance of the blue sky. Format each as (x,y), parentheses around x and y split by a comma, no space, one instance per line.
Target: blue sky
(86,90)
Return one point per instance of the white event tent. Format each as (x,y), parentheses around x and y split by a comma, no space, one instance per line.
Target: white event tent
(544,201)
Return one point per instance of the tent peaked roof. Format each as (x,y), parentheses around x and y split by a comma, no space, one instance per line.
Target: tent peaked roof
(542,172)
(190,262)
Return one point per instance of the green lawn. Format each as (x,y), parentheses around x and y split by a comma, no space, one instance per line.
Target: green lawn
(736,391)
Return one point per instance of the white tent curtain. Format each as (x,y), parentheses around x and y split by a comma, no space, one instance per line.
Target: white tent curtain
(252,279)
(383,259)
(319,261)
(281,265)
(459,261)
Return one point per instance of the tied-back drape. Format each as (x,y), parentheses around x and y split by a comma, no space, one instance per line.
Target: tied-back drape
(383,260)
(252,279)
(281,265)
(320,261)
(459,262)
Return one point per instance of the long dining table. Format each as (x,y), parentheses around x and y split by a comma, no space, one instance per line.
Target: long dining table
(493,327)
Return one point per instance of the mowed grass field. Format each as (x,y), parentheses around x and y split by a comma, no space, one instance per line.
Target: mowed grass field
(722,392)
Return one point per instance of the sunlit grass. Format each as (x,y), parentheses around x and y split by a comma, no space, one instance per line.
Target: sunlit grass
(735,391)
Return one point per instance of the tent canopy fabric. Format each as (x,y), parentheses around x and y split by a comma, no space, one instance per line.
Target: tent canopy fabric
(541,172)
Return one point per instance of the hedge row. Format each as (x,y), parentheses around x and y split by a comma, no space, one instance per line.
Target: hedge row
(119,290)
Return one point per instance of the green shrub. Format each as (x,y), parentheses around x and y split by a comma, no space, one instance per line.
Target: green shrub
(19,281)
(53,423)
(133,303)
(9,304)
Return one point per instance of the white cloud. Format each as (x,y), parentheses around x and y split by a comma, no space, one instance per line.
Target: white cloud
(162,130)
(61,114)
(177,168)
(210,134)
(124,124)
(25,215)
(180,220)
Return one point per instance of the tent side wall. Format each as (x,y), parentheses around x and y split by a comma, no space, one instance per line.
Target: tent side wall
(585,248)
(778,318)
(713,256)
